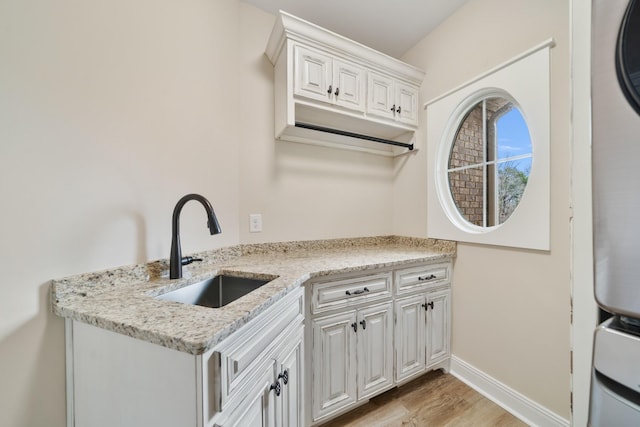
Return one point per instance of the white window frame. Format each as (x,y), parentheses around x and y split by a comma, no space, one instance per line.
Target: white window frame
(525,81)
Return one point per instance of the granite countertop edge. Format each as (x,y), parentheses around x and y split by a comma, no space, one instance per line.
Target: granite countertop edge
(122,299)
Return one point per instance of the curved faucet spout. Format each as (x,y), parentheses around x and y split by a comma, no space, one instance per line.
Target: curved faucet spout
(175,261)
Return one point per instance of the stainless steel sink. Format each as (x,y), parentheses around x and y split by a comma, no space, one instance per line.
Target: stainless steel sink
(215,292)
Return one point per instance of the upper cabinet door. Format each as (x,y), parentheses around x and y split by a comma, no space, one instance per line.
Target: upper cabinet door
(324,78)
(406,103)
(348,85)
(380,96)
(313,74)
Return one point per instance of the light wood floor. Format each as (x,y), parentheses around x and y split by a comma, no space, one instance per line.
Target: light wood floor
(433,400)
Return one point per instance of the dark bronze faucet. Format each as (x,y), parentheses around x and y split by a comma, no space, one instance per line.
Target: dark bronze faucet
(176,261)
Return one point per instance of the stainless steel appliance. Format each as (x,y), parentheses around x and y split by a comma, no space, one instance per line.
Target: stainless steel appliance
(615,71)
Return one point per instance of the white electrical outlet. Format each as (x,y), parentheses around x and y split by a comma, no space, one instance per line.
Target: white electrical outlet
(255,223)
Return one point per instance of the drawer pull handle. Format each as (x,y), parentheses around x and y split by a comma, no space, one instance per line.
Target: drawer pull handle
(277,387)
(284,376)
(330,89)
(358,292)
(363,322)
(429,277)
(354,325)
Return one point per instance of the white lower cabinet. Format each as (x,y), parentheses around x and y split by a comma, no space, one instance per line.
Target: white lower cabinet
(254,409)
(289,410)
(352,357)
(375,349)
(422,332)
(252,378)
(438,326)
(410,337)
(333,363)
(363,334)
(262,370)
(368,333)
(273,397)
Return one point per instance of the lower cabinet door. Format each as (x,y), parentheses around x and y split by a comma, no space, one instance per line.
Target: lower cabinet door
(439,303)
(257,409)
(289,405)
(410,336)
(375,349)
(334,363)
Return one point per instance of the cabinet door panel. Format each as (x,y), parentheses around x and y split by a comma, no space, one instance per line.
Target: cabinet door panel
(258,408)
(375,349)
(380,95)
(407,101)
(334,363)
(349,82)
(312,74)
(438,326)
(410,336)
(292,409)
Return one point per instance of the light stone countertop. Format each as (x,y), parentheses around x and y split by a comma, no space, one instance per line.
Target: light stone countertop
(122,299)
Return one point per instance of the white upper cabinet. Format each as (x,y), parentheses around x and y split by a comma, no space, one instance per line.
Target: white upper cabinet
(332,91)
(349,85)
(392,99)
(313,75)
(380,99)
(323,78)
(406,103)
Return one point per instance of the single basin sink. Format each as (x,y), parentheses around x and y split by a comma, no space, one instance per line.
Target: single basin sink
(215,292)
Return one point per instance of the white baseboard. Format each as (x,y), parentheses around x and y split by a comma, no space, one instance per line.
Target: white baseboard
(520,406)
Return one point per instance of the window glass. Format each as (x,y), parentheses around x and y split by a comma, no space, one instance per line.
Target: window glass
(489,162)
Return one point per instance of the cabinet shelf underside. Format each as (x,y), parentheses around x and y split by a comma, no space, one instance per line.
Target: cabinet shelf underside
(343,125)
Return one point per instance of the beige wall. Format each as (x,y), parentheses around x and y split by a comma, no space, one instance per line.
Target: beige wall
(511,308)
(109,113)
(303,192)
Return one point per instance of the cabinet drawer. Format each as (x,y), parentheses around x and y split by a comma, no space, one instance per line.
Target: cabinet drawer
(422,277)
(344,292)
(254,343)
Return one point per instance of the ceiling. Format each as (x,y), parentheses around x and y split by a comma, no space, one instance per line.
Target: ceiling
(390,26)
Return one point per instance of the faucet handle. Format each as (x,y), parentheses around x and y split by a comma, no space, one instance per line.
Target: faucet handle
(186,260)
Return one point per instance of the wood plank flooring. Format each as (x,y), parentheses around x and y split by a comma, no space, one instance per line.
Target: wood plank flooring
(433,400)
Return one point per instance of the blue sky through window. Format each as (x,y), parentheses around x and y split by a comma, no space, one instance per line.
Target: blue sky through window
(514,139)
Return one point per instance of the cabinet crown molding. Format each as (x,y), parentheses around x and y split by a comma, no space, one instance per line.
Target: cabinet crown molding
(290,27)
